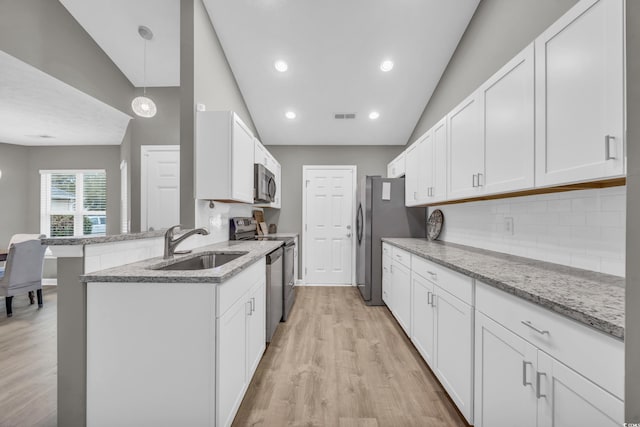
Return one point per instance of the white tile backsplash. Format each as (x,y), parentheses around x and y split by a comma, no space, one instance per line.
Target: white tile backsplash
(582,229)
(216,220)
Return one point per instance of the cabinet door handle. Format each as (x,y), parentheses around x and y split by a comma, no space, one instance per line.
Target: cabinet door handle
(253,305)
(538,394)
(524,373)
(433,300)
(607,147)
(479,175)
(248,308)
(429,298)
(415,197)
(434,276)
(528,324)
(473,180)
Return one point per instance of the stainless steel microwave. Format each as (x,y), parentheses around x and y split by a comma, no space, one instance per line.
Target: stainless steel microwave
(264,189)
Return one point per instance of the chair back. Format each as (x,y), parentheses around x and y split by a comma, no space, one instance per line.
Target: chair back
(24,262)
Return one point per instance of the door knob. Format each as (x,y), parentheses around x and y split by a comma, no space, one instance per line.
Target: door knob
(348,227)
(348,234)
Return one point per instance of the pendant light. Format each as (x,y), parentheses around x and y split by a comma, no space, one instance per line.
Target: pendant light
(141,105)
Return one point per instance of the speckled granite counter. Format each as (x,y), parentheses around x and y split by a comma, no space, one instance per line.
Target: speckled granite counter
(146,271)
(92,240)
(595,299)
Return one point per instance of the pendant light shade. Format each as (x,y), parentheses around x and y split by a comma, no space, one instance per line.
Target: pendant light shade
(142,105)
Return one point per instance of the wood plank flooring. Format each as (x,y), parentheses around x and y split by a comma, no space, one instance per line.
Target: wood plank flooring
(28,362)
(337,362)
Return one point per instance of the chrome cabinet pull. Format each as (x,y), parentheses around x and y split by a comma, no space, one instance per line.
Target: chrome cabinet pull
(429,298)
(479,175)
(248,308)
(528,324)
(538,394)
(607,147)
(434,276)
(433,300)
(524,373)
(253,305)
(473,180)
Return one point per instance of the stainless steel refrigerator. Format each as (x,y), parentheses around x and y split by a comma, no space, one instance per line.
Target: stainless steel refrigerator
(381,213)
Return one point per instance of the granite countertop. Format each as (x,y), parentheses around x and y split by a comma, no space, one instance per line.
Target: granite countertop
(92,240)
(144,271)
(595,299)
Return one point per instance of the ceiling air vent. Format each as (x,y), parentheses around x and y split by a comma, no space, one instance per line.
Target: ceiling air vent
(344,116)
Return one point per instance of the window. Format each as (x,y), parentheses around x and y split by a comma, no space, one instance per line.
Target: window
(73,203)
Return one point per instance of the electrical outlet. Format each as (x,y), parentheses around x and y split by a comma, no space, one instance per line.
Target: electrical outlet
(508,225)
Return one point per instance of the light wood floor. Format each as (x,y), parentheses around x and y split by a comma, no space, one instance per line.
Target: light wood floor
(28,362)
(337,362)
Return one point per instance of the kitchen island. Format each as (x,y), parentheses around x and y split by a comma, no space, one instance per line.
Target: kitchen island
(172,347)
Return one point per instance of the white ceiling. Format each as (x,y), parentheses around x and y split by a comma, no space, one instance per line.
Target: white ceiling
(113,24)
(37,109)
(334,49)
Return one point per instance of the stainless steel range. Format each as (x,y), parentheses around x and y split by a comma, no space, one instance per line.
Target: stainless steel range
(244,228)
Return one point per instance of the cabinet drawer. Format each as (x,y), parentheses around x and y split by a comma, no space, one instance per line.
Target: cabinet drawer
(456,284)
(403,257)
(592,353)
(233,289)
(386,249)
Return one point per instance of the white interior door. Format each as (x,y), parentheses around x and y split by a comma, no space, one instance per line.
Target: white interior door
(329,196)
(159,186)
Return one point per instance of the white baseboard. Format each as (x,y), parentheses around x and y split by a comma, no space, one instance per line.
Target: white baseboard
(344,285)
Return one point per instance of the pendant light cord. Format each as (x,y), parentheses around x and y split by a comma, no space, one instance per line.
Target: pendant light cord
(144,70)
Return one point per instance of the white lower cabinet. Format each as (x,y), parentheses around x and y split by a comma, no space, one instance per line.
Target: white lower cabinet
(386,278)
(401,285)
(517,383)
(454,349)
(423,319)
(240,333)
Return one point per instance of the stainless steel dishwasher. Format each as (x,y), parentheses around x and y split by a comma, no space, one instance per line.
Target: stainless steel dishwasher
(274,291)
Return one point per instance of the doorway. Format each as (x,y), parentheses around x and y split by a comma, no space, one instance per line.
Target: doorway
(328,209)
(159,186)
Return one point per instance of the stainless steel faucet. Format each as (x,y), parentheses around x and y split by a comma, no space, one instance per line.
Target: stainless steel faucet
(170,243)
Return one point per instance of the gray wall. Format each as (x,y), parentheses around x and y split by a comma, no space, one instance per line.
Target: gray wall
(163,129)
(13,191)
(370,160)
(206,78)
(42,33)
(632,320)
(498,30)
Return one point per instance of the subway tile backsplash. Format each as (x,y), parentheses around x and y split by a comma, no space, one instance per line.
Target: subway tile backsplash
(583,229)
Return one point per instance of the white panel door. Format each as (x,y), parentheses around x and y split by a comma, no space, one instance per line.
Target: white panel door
(160,187)
(580,95)
(329,226)
(568,399)
(509,126)
(466,149)
(256,326)
(505,372)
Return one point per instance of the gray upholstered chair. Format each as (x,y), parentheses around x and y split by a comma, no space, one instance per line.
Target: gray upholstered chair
(23,269)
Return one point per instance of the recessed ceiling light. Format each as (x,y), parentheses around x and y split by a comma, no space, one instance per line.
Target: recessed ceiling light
(386,65)
(374,115)
(281,66)
(290,115)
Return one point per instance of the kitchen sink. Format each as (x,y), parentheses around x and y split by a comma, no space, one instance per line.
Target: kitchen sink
(203,261)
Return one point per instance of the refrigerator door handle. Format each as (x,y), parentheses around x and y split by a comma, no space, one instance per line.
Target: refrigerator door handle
(359,223)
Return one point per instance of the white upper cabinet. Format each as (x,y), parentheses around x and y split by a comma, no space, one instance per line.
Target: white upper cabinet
(438,190)
(223,157)
(465,149)
(396,168)
(260,153)
(580,95)
(412,165)
(508,114)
